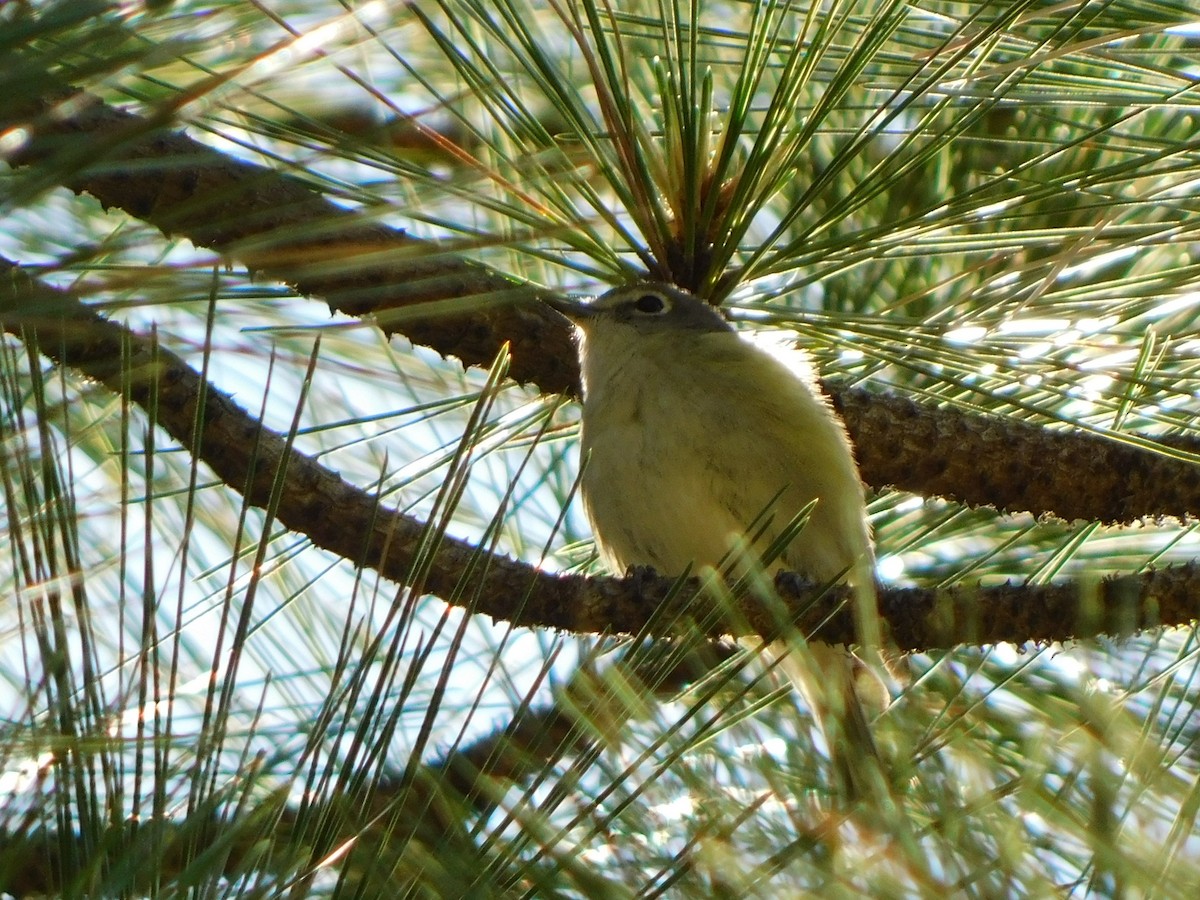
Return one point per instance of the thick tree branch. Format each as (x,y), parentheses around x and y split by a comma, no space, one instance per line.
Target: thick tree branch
(278,225)
(1016,466)
(348,521)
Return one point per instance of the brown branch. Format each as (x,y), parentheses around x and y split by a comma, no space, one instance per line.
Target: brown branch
(283,228)
(348,521)
(537,737)
(1013,465)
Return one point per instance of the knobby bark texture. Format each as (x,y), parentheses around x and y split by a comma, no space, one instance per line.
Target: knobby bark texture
(336,515)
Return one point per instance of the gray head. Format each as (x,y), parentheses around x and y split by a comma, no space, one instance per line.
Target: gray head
(646,307)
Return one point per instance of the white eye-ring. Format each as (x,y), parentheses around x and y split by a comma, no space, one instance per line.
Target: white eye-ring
(650,304)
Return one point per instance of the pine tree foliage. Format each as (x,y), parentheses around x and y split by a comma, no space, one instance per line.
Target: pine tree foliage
(280,568)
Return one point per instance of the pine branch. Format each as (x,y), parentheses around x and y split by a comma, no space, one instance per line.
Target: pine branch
(1015,466)
(348,521)
(279,226)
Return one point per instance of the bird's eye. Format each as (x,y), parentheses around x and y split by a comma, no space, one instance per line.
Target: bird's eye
(651,304)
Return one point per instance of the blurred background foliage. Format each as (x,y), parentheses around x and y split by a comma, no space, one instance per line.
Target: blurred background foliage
(986,206)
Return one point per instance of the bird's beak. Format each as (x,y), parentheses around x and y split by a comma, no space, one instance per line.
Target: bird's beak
(575,310)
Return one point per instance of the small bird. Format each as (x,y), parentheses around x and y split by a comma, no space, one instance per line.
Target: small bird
(697,442)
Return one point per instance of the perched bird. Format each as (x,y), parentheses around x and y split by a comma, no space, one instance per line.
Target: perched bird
(697,442)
